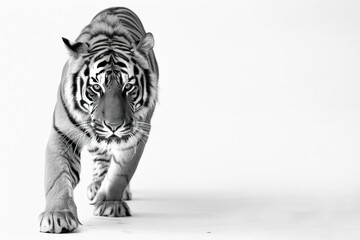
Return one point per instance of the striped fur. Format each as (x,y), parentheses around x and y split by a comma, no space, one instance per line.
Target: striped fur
(105,102)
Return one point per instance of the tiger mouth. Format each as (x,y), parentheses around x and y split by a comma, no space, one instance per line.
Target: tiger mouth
(112,138)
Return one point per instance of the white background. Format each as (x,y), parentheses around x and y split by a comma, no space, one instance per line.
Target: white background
(256,134)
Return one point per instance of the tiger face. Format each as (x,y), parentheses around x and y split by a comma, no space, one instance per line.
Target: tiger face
(114,86)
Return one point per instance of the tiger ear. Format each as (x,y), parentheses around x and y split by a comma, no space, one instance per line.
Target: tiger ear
(75,49)
(146,43)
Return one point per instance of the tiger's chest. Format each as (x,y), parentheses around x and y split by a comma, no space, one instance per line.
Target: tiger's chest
(120,152)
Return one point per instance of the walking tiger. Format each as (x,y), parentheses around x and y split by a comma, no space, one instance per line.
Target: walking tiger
(105,101)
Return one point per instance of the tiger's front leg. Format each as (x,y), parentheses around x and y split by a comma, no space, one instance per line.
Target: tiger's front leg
(109,198)
(101,162)
(62,169)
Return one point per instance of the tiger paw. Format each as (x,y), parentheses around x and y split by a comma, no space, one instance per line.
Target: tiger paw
(112,209)
(58,222)
(93,189)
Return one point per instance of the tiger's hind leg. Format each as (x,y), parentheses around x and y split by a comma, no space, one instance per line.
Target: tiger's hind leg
(102,161)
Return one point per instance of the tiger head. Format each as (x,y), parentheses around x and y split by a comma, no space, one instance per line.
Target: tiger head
(113,87)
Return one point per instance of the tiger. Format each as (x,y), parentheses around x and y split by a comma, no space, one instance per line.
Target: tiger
(105,102)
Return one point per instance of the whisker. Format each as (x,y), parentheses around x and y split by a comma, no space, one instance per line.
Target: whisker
(74,137)
(142,131)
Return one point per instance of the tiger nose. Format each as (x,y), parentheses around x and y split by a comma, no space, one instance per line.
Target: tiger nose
(112,126)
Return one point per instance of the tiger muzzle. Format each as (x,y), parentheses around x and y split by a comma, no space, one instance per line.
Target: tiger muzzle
(113,110)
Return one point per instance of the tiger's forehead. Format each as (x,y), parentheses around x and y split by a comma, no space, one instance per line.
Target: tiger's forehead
(106,56)
(103,42)
(107,38)
(113,50)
